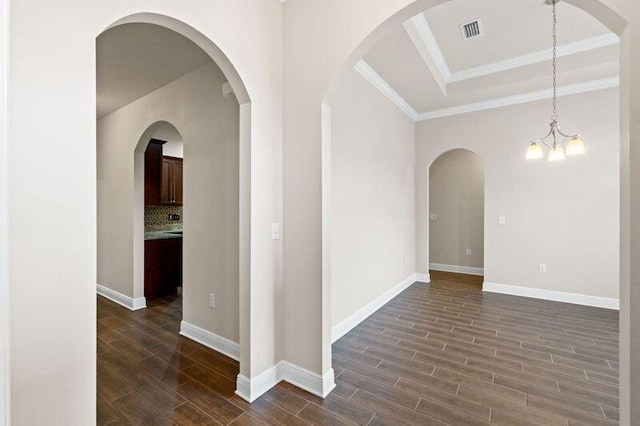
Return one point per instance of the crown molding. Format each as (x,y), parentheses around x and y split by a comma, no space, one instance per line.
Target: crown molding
(425,42)
(536,57)
(588,86)
(427,46)
(379,83)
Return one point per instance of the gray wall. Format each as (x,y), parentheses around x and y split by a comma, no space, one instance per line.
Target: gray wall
(209,125)
(372,203)
(456,197)
(564,215)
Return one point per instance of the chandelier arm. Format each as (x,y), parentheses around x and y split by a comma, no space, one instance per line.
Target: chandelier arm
(542,139)
(565,135)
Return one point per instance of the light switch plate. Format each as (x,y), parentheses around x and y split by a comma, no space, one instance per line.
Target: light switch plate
(212,300)
(542,268)
(275,231)
(502,220)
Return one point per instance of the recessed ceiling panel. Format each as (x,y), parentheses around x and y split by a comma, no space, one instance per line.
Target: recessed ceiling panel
(496,89)
(510,28)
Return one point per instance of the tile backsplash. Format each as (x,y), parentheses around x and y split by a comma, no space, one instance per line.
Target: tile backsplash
(156,218)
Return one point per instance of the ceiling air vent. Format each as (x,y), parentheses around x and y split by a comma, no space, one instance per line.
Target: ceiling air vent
(471,29)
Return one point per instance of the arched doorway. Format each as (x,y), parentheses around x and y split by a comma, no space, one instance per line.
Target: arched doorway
(456,213)
(600,11)
(209,107)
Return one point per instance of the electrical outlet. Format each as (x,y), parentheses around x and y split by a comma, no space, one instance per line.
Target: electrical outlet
(275,231)
(542,268)
(502,220)
(212,300)
(468,252)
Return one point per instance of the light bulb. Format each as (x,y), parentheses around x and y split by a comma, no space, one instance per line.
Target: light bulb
(534,152)
(575,147)
(556,153)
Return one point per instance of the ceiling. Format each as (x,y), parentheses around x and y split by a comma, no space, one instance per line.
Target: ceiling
(429,70)
(133,60)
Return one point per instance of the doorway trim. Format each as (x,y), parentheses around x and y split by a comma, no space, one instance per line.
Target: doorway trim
(245,188)
(5,328)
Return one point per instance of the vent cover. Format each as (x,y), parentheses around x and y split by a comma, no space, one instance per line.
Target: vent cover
(471,29)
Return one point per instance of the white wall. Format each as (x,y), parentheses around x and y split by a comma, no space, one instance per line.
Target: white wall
(456,197)
(564,215)
(173,148)
(209,124)
(372,206)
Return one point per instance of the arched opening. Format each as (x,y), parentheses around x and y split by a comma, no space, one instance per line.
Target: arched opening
(173,149)
(443,143)
(456,214)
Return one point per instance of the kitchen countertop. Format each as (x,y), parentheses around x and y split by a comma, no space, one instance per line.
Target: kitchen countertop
(162,235)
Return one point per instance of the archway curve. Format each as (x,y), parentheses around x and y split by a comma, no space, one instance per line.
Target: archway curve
(196,37)
(245,187)
(596,8)
(448,150)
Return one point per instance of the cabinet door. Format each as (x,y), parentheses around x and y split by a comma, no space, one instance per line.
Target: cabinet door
(176,174)
(166,197)
(152,173)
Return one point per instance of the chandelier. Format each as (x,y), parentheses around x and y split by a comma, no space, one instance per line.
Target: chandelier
(560,145)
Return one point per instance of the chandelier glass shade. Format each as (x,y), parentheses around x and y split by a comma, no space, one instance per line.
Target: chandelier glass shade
(560,144)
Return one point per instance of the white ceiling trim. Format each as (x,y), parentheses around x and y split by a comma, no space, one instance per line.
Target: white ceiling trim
(425,42)
(573,89)
(379,83)
(536,57)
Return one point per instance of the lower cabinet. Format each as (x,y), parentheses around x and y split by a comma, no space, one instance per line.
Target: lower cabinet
(162,267)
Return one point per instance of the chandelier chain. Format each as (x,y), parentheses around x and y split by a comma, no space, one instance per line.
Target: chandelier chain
(554,117)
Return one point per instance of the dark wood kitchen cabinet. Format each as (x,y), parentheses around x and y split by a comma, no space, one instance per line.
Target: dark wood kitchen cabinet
(163,178)
(153,172)
(172,181)
(162,267)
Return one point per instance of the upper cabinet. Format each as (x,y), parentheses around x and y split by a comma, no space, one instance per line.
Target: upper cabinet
(171,186)
(152,172)
(162,177)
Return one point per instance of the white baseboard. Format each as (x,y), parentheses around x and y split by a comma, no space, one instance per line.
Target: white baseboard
(346,325)
(423,278)
(558,296)
(252,389)
(121,299)
(211,340)
(456,269)
(308,380)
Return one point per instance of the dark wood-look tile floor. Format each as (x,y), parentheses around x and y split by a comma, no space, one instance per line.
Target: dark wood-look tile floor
(438,354)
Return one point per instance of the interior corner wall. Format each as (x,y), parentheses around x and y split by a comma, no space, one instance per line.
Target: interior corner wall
(456,198)
(564,215)
(372,202)
(209,125)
